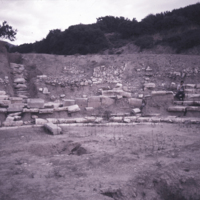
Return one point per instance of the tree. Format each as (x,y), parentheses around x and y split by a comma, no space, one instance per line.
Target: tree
(7,31)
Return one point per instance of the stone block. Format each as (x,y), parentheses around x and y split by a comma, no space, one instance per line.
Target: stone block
(176,108)
(31,110)
(16,100)
(81,120)
(161,93)
(107,101)
(46,111)
(98,120)
(149,86)
(73,108)
(116,92)
(35,103)
(135,102)
(5,103)
(116,119)
(193,108)
(16,107)
(190,85)
(89,109)
(198,86)
(136,111)
(40,121)
(2,92)
(131,118)
(20,86)
(19,80)
(4,97)
(45,90)
(53,129)
(52,120)
(3,110)
(66,120)
(13,123)
(68,102)
(81,102)
(94,104)
(64,108)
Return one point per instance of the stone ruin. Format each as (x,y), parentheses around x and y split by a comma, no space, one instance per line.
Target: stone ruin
(140,104)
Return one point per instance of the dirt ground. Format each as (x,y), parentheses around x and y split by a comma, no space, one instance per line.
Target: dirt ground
(152,162)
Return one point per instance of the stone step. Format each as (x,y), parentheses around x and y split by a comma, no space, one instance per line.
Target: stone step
(183,108)
(187,103)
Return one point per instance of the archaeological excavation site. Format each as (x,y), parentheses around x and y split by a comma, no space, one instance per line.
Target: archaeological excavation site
(99,127)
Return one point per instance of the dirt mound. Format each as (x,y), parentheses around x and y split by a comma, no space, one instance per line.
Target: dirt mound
(64,147)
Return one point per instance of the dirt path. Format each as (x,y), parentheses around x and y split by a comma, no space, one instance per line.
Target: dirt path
(136,162)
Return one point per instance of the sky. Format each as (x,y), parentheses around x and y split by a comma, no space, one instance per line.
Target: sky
(33,19)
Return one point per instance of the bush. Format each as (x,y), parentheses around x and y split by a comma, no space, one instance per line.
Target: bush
(145,42)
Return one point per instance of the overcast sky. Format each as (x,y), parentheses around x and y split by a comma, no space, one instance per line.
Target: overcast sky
(34,18)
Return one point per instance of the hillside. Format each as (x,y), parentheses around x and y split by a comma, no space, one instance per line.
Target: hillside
(176,31)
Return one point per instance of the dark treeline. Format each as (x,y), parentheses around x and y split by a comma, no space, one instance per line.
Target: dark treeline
(179,29)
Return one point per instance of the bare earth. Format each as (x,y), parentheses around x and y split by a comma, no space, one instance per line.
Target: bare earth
(152,161)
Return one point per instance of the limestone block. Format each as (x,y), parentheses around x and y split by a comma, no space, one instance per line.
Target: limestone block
(16,107)
(35,103)
(161,93)
(73,108)
(52,120)
(31,110)
(45,90)
(18,86)
(90,119)
(3,110)
(155,119)
(115,92)
(64,108)
(149,85)
(81,102)
(68,102)
(19,80)
(187,103)
(15,114)
(176,108)
(89,109)
(42,76)
(2,92)
(191,91)
(190,85)
(13,123)
(190,96)
(136,111)
(46,110)
(53,129)
(16,100)
(40,121)
(62,95)
(143,119)
(127,120)
(52,104)
(193,108)
(148,69)
(107,101)
(66,120)
(98,120)
(131,118)
(116,119)
(94,104)
(81,120)
(135,102)
(5,103)
(4,97)
(198,86)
